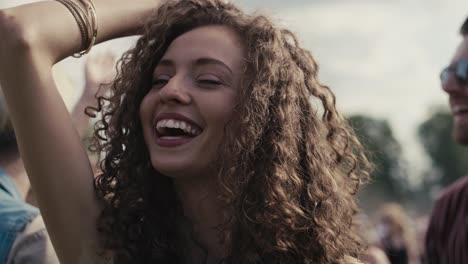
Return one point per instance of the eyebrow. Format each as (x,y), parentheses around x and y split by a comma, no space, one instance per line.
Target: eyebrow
(198,62)
(208,61)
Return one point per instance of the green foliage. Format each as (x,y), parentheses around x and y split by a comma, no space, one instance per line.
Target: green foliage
(389,177)
(449,158)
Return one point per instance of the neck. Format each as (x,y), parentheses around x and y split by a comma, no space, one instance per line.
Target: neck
(14,167)
(203,209)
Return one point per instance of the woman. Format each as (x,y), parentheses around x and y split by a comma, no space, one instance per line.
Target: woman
(219,144)
(396,235)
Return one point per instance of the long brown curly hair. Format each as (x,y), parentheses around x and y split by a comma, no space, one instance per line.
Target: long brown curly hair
(290,163)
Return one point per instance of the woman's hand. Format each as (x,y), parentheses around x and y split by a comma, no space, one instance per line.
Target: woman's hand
(99,69)
(57,34)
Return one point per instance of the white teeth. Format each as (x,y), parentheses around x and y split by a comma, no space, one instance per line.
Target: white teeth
(172,123)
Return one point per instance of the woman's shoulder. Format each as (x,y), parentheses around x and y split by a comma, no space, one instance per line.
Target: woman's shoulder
(95,254)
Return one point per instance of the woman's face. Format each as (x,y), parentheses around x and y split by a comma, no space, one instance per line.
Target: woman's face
(192,97)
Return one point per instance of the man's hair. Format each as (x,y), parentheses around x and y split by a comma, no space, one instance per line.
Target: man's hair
(464,28)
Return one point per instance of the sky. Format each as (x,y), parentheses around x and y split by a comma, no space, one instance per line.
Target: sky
(382,58)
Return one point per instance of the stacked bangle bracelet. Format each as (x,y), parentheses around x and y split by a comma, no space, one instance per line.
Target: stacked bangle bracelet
(86,19)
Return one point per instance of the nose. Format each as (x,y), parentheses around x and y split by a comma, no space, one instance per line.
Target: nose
(450,84)
(175,91)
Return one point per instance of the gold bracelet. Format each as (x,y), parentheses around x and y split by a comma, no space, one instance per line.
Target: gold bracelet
(94,29)
(79,20)
(88,27)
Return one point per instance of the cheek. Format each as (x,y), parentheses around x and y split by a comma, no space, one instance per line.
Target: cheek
(147,107)
(221,110)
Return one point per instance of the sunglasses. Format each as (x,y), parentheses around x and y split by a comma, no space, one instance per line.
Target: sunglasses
(460,69)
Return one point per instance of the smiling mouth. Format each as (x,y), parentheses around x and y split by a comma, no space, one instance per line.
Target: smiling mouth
(176,128)
(460,110)
(173,132)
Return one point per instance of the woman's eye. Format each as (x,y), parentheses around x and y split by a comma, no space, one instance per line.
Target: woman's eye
(209,82)
(212,82)
(160,82)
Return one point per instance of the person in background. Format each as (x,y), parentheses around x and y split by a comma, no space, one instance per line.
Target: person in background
(420,227)
(395,235)
(447,234)
(375,255)
(23,236)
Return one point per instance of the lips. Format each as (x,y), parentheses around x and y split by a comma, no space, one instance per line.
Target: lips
(176,116)
(169,127)
(173,129)
(459,109)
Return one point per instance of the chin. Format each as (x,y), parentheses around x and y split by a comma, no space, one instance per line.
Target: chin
(460,133)
(176,169)
(461,138)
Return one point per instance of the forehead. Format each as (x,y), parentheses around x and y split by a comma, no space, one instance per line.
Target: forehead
(462,51)
(217,42)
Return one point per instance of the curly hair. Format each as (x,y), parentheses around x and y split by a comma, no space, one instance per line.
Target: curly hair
(290,163)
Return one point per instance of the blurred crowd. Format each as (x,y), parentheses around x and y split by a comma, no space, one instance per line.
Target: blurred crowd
(394,236)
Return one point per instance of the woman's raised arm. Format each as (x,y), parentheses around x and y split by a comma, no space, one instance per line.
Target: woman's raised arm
(34,37)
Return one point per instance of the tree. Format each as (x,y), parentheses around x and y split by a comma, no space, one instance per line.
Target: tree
(389,181)
(449,159)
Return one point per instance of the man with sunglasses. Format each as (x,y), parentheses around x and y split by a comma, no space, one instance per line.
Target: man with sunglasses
(447,235)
